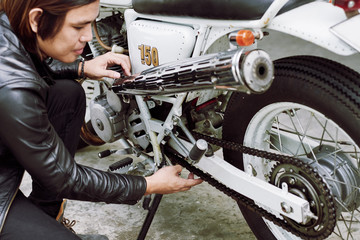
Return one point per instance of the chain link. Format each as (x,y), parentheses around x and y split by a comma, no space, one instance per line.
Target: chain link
(248,203)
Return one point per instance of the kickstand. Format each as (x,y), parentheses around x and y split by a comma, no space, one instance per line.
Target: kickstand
(150,216)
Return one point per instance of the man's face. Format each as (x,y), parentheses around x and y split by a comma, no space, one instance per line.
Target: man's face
(70,41)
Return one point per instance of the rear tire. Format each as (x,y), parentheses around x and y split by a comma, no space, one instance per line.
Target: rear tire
(323,89)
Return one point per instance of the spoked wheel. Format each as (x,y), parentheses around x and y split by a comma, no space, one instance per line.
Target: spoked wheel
(311,112)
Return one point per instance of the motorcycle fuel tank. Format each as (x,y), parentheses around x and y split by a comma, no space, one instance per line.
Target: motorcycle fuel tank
(116,3)
(152,43)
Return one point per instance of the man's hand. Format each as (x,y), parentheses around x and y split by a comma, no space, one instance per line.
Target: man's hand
(97,68)
(167,180)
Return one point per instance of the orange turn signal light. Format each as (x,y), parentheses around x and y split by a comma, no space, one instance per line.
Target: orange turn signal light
(245,38)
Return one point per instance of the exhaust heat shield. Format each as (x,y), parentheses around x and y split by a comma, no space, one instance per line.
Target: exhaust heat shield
(250,72)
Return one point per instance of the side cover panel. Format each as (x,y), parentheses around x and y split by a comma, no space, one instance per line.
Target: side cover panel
(152,43)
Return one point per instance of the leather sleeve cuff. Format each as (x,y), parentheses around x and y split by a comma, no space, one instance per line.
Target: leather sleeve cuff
(138,189)
(60,70)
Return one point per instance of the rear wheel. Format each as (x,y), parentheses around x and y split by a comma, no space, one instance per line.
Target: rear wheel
(312,112)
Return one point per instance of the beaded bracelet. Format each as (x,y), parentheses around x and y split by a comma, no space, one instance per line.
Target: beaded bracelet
(82,74)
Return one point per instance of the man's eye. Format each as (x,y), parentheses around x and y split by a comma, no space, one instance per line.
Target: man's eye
(78,27)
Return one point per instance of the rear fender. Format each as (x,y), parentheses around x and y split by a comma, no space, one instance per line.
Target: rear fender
(312,22)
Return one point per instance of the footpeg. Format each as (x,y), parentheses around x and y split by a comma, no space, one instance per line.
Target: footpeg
(120,164)
(106,153)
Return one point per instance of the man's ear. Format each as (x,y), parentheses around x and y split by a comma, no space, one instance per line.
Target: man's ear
(34,17)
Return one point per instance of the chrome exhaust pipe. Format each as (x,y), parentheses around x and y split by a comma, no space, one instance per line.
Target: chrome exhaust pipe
(235,70)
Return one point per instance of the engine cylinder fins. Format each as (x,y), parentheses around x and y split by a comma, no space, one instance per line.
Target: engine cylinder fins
(250,72)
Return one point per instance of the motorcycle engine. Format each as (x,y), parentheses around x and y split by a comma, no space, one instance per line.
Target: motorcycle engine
(113,117)
(107,114)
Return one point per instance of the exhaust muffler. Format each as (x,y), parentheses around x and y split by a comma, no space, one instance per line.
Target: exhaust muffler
(235,70)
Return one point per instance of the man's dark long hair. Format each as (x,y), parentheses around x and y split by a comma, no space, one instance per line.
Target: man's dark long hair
(50,22)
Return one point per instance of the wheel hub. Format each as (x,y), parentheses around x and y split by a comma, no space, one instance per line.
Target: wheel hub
(340,174)
(305,185)
(337,174)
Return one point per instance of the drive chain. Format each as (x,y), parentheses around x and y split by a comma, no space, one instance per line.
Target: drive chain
(250,204)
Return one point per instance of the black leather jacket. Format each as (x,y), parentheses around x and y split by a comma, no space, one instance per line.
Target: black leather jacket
(28,141)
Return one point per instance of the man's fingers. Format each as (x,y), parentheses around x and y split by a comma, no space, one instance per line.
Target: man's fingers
(178,168)
(123,61)
(190,182)
(112,74)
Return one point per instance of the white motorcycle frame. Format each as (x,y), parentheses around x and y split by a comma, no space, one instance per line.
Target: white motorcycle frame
(207,33)
(203,33)
(291,22)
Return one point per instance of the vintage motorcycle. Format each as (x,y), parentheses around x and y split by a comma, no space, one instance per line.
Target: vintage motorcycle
(288,129)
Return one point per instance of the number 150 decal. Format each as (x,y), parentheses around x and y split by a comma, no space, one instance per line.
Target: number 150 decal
(149,55)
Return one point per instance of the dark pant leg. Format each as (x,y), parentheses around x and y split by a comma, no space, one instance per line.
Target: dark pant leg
(26,221)
(66,110)
(66,105)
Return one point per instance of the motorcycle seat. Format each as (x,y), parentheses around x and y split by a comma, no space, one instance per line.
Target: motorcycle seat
(213,9)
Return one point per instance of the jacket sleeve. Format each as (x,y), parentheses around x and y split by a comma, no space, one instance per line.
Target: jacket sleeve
(60,70)
(27,132)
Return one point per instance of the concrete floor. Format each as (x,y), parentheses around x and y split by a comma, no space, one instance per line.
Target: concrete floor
(201,213)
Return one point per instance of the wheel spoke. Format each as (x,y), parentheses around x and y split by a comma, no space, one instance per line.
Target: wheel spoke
(292,113)
(299,117)
(323,132)
(299,132)
(347,184)
(357,157)
(329,134)
(304,131)
(278,131)
(282,149)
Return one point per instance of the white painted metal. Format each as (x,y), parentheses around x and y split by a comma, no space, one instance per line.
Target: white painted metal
(146,116)
(304,22)
(312,22)
(266,195)
(348,31)
(180,37)
(116,3)
(173,42)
